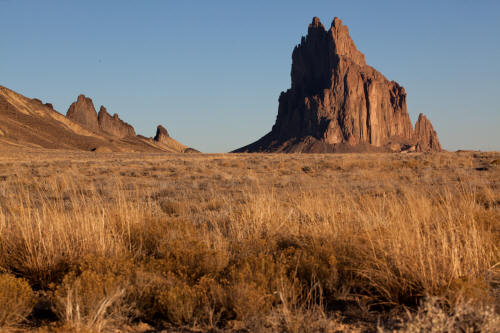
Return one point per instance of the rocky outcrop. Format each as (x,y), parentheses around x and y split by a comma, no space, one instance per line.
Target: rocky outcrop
(426,136)
(114,125)
(163,139)
(191,151)
(38,101)
(27,123)
(336,101)
(83,112)
(161,134)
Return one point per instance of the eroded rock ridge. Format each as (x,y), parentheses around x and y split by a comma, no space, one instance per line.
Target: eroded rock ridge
(83,112)
(114,125)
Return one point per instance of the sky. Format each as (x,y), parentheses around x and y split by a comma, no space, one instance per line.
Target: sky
(211,71)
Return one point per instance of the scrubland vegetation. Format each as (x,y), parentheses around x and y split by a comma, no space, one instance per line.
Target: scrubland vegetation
(250,243)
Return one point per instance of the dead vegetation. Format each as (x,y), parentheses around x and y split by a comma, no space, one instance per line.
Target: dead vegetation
(260,243)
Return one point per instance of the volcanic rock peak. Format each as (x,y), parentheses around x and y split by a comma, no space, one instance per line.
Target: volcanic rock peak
(337,100)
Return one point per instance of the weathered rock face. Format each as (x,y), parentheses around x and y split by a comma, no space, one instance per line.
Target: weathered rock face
(161,134)
(114,125)
(83,112)
(426,136)
(336,100)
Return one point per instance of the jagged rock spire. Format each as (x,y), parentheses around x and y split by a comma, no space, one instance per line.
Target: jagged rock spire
(426,136)
(114,125)
(336,101)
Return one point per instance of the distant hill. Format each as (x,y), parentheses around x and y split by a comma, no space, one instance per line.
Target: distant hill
(29,124)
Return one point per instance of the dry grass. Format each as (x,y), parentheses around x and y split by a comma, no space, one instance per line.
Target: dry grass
(289,243)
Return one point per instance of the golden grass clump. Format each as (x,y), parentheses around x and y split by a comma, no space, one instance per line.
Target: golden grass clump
(90,301)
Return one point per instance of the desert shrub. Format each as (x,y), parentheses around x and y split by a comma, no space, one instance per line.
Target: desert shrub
(178,301)
(143,294)
(313,264)
(305,320)
(91,301)
(434,317)
(176,245)
(121,265)
(158,298)
(145,238)
(165,298)
(189,251)
(214,302)
(16,300)
(254,284)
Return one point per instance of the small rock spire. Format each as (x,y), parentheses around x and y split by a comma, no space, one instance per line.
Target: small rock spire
(316,24)
(426,136)
(336,22)
(161,133)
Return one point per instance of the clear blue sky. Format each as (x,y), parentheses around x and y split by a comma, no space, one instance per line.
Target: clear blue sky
(211,71)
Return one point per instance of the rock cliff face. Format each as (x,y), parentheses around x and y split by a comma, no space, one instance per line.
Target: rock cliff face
(337,102)
(114,125)
(83,112)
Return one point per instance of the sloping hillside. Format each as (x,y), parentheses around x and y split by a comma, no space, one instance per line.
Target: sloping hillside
(28,124)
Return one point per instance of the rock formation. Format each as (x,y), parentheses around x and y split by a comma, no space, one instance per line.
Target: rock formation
(190,150)
(27,123)
(338,103)
(83,112)
(114,125)
(425,135)
(163,139)
(161,134)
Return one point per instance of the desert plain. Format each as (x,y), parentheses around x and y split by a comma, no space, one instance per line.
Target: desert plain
(146,242)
